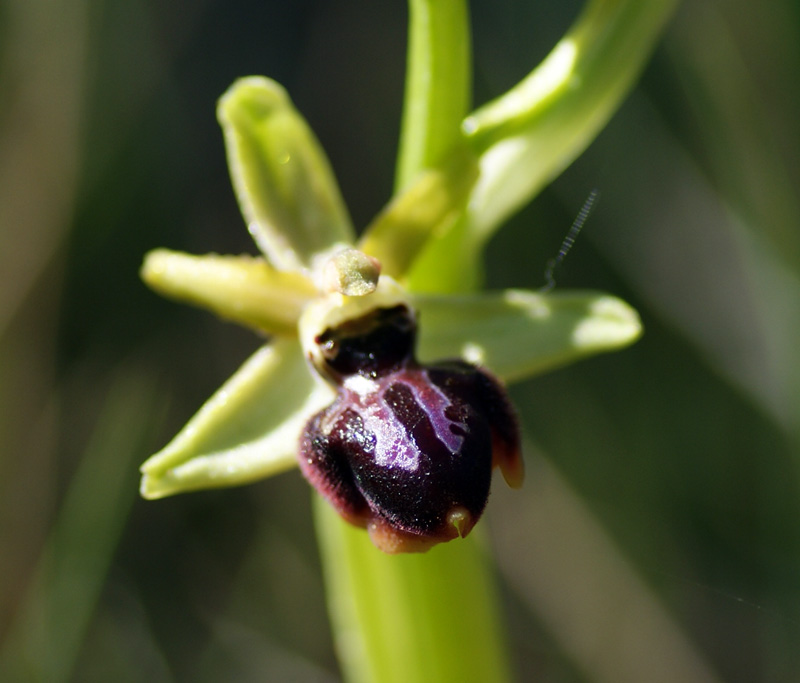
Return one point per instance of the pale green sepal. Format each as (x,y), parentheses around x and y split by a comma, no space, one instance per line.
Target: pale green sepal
(283,180)
(425,209)
(243,289)
(517,334)
(529,135)
(248,430)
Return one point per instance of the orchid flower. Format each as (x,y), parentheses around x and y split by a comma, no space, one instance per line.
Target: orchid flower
(459,176)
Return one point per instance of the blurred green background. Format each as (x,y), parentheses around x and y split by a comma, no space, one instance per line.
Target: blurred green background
(660,522)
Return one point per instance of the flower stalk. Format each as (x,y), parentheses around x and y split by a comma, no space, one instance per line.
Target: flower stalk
(433,616)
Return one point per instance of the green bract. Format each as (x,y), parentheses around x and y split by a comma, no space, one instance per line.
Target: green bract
(250,428)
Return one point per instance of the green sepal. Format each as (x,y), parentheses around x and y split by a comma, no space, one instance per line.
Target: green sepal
(283,181)
(518,334)
(243,289)
(425,209)
(248,430)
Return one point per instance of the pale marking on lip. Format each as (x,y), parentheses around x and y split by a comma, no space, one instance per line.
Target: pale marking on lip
(402,451)
(393,445)
(393,448)
(434,402)
(358,384)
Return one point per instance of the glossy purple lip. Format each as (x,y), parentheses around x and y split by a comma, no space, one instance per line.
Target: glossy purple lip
(406,450)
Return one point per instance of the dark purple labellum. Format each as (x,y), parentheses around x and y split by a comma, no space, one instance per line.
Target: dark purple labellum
(406,450)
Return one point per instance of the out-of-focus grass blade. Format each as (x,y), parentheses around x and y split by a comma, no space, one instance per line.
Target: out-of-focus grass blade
(45,639)
(566,567)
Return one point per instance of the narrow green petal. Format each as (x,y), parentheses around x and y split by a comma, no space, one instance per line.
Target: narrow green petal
(283,181)
(247,430)
(427,208)
(243,289)
(517,334)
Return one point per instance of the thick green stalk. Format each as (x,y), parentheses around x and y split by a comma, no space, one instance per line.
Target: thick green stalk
(434,617)
(401,618)
(438,84)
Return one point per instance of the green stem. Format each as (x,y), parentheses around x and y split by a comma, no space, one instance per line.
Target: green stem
(433,616)
(438,84)
(401,618)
